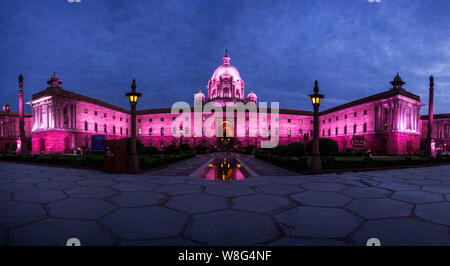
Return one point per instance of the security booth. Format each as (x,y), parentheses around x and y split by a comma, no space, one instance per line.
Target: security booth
(115,156)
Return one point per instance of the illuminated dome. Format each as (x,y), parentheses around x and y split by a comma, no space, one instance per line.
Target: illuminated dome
(251,97)
(226,83)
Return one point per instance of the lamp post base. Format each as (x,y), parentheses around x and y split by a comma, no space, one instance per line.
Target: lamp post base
(133,164)
(316,164)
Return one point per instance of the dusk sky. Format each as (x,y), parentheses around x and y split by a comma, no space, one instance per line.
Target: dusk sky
(353,48)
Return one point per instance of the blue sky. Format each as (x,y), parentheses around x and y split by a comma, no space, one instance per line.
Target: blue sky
(352,47)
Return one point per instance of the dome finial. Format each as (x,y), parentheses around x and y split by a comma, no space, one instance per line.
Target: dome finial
(226,58)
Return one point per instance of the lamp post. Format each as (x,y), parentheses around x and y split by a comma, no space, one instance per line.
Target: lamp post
(181,134)
(23,140)
(133,164)
(316,98)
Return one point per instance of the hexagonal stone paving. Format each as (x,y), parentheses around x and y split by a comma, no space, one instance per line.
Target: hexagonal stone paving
(32,180)
(380,208)
(268,204)
(39,195)
(54,232)
(442,189)
(91,192)
(229,190)
(138,199)
(402,232)
(134,187)
(79,208)
(14,213)
(177,189)
(57,185)
(144,223)
(231,228)
(417,196)
(435,212)
(197,203)
(279,189)
(317,222)
(319,198)
(324,186)
(399,186)
(291,241)
(365,192)
(96,182)
(15,187)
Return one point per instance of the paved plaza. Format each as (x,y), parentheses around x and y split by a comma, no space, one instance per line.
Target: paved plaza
(42,205)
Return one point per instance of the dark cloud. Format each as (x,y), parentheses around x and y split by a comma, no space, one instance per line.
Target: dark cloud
(353,47)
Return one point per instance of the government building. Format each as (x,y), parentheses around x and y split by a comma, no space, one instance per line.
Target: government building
(64,121)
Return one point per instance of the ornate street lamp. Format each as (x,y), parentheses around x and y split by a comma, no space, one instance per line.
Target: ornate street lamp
(133,164)
(316,98)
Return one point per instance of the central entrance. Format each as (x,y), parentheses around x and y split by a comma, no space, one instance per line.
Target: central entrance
(225,135)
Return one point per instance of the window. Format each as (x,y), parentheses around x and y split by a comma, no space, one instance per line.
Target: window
(329,120)
(311,122)
(104,115)
(126,120)
(127,131)
(289,120)
(301,121)
(121,119)
(345,116)
(104,128)
(204,118)
(150,120)
(365,112)
(365,127)
(345,130)
(246,118)
(139,131)
(329,132)
(337,118)
(323,132)
(162,119)
(85,110)
(289,132)
(150,131)
(114,130)
(162,131)
(354,114)
(85,125)
(173,119)
(311,133)
(354,128)
(95,127)
(121,131)
(323,122)
(337,131)
(139,120)
(300,132)
(95,113)
(114,117)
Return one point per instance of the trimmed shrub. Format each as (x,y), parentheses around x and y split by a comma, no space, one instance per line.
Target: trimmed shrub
(172,149)
(201,149)
(327,147)
(151,150)
(185,148)
(249,148)
(296,149)
(280,150)
(140,148)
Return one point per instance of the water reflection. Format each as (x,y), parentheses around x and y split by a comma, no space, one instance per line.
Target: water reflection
(226,168)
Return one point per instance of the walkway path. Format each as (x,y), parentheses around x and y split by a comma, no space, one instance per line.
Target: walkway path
(46,206)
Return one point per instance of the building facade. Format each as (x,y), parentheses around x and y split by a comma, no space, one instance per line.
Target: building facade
(63,121)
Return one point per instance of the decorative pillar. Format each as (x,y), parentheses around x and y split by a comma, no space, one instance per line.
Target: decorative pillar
(429,148)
